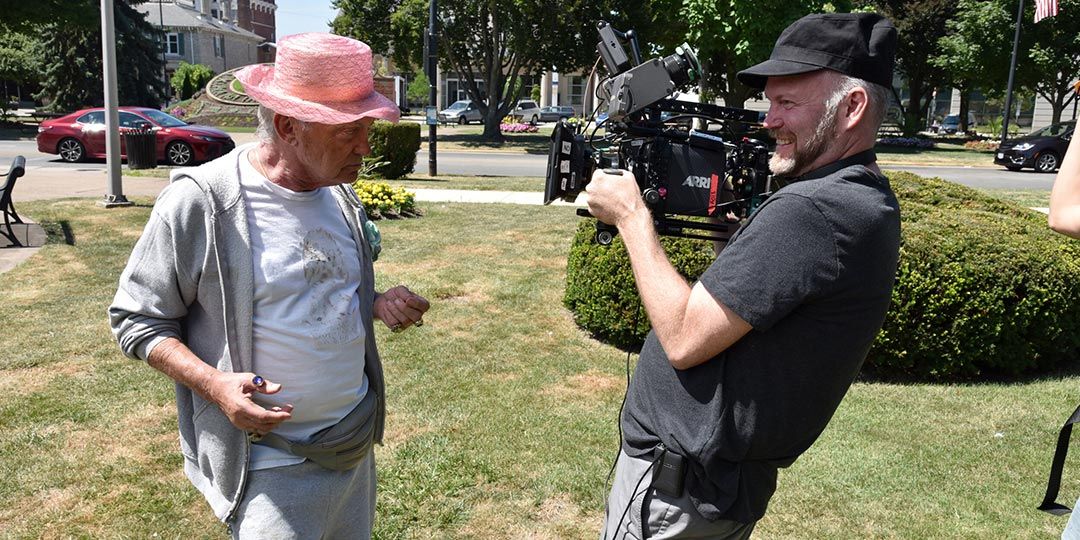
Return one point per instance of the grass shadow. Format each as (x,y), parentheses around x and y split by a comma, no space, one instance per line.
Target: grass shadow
(58,232)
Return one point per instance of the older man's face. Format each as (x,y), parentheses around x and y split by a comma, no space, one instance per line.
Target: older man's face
(333,154)
(799,121)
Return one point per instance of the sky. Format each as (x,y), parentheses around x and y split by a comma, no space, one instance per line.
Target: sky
(295,16)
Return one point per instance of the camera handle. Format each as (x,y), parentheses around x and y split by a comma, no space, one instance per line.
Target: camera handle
(605,233)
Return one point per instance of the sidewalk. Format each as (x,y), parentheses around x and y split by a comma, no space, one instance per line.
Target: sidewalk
(41,183)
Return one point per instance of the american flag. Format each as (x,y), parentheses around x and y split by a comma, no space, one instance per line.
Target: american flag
(1045,8)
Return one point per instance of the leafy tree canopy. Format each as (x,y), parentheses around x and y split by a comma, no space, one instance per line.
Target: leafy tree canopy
(732,35)
(490,44)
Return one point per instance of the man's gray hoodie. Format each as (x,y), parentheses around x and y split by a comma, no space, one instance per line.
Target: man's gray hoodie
(190,276)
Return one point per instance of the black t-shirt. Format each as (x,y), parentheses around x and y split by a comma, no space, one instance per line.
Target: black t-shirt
(812,272)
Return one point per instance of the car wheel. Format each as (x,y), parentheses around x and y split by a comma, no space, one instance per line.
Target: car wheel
(1013,168)
(179,153)
(535,120)
(1046,162)
(462,121)
(71,150)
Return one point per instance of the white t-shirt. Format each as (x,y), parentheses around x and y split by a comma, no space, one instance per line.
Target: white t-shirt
(308,332)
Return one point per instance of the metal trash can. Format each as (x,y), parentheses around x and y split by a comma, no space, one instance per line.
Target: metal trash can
(141,148)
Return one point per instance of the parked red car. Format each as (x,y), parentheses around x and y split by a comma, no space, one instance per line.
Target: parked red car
(81,135)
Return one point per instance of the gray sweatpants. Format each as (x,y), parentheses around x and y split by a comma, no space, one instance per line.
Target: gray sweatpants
(308,501)
(668,517)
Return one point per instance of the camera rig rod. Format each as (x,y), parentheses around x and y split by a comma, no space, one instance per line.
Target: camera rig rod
(718,112)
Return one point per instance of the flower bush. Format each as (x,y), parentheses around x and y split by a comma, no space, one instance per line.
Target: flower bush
(382,200)
(910,142)
(178,112)
(982,145)
(518,127)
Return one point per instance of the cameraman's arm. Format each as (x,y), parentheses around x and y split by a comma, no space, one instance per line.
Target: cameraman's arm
(690,323)
(1065,198)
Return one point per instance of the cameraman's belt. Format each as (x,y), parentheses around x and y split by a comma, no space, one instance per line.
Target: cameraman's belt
(1049,503)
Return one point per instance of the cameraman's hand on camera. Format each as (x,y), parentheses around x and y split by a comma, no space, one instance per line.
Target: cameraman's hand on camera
(614,197)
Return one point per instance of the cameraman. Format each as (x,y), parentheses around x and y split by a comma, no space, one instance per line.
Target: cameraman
(744,369)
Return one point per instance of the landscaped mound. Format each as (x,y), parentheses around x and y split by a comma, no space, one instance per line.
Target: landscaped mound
(983,287)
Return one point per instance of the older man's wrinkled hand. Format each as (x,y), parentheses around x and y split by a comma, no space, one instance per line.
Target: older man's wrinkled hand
(233,393)
(399,308)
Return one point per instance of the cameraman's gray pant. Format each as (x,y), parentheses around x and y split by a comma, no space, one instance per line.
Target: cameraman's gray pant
(308,501)
(631,499)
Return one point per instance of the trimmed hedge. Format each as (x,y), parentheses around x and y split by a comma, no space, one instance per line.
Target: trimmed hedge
(600,288)
(396,145)
(984,287)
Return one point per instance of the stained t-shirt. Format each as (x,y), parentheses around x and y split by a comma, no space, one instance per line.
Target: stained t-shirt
(812,272)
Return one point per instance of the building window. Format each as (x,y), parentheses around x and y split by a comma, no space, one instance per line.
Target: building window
(217,46)
(172,43)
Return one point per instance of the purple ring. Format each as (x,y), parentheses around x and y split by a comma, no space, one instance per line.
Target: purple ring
(258,381)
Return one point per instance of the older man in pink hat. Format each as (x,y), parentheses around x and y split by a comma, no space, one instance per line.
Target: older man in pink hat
(252,287)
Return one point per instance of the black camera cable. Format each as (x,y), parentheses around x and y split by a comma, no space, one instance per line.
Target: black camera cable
(634,492)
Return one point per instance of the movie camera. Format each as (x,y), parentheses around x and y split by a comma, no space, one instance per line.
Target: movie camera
(681,171)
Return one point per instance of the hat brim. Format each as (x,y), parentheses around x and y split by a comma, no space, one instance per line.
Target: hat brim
(757,76)
(258,79)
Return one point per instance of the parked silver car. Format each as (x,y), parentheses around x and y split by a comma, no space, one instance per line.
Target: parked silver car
(460,112)
(527,110)
(556,113)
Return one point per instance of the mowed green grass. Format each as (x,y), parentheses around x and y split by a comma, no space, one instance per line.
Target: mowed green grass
(501,412)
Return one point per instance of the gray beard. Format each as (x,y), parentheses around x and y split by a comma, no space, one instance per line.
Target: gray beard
(806,153)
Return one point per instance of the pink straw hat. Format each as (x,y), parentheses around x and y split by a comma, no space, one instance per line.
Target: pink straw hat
(320,78)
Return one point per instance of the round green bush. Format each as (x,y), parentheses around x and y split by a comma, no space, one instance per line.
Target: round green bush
(600,288)
(983,287)
(395,145)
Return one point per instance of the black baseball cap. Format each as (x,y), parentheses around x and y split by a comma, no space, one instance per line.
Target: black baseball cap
(860,45)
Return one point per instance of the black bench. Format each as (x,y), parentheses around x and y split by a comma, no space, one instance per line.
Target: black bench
(18,167)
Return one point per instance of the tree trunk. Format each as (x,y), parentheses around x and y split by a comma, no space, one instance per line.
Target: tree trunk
(915,114)
(492,133)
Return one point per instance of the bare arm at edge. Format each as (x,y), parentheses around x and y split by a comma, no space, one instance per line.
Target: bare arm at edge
(1065,198)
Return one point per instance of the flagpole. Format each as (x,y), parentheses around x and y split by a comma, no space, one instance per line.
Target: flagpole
(1012,73)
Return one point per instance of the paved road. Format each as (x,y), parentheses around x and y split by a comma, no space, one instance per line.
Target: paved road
(516,164)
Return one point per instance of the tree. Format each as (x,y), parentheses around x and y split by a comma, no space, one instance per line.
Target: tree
(920,24)
(489,44)
(419,89)
(1053,64)
(72,59)
(732,35)
(975,51)
(190,78)
(19,61)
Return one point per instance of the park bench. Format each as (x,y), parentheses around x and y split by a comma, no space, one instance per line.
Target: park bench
(18,167)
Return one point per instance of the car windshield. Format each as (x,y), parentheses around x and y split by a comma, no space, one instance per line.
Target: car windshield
(1053,130)
(952,119)
(457,105)
(164,120)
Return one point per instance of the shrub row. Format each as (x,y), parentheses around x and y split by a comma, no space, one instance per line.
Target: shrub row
(395,145)
(983,287)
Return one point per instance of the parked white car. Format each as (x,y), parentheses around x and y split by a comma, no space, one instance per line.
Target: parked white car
(460,112)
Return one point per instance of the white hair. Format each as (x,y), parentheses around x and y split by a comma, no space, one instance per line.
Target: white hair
(265,131)
(877,98)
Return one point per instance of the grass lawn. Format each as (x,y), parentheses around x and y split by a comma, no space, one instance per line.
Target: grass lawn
(501,411)
(478,183)
(946,154)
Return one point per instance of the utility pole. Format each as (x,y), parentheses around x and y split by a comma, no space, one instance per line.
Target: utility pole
(115,196)
(431,66)
(1012,73)
(164,46)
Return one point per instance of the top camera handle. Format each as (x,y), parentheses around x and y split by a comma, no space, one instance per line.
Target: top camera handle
(612,51)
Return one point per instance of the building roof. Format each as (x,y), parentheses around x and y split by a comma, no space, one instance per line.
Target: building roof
(184,15)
